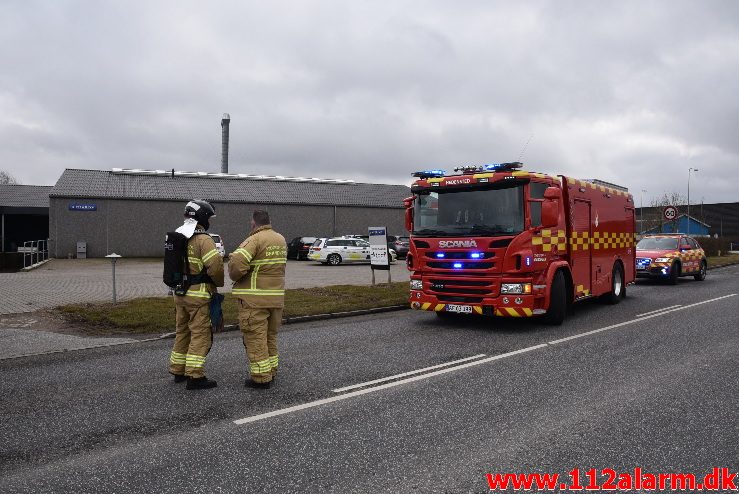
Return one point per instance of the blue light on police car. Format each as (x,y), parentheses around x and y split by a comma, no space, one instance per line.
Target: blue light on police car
(440,255)
(475,255)
(457,265)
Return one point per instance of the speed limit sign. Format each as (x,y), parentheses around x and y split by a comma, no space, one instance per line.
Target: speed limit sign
(670,213)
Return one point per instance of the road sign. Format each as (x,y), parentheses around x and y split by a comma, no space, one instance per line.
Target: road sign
(670,213)
(379,258)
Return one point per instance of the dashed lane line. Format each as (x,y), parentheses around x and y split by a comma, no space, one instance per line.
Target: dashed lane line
(364,391)
(638,319)
(454,368)
(659,310)
(404,374)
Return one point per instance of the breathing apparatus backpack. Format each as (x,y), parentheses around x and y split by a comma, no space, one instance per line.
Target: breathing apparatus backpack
(176,266)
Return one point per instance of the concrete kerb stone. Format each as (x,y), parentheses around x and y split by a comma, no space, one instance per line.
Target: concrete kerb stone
(290,320)
(361,312)
(315,317)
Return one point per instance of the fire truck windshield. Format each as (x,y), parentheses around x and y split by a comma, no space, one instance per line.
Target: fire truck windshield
(454,213)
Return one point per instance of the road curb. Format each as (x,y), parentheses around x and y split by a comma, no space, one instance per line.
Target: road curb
(315,317)
(724,265)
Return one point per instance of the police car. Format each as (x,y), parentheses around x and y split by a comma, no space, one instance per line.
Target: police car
(338,250)
(219,244)
(670,256)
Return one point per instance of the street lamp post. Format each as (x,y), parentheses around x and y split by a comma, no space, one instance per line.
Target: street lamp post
(113,258)
(641,212)
(689,170)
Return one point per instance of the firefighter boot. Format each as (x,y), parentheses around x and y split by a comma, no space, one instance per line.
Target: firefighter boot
(200,383)
(179,378)
(253,384)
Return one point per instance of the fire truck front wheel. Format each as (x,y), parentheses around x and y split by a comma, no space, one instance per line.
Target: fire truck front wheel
(618,289)
(557,300)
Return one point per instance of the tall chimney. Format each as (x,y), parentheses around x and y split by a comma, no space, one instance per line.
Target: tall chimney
(224,142)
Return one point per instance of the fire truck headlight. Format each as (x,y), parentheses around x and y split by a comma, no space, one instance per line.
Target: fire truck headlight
(662,259)
(515,288)
(416,285)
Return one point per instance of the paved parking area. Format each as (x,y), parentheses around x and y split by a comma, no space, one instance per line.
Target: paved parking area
(69,281)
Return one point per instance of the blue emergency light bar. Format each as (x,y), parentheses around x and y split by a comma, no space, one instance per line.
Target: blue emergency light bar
(429,173)
(500,167)
(493,167)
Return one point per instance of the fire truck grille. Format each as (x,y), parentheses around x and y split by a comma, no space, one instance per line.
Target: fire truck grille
(461,287)
(461,265)
(469,300)
(460,282)
(470,291)
(459,255)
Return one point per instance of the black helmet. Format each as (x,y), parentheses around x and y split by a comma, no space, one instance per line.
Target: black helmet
(201,211)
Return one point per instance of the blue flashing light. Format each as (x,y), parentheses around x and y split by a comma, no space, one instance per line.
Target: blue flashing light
(429,173)
(499,167)
(528,260)
(457,265)
(475,255)
(440,255)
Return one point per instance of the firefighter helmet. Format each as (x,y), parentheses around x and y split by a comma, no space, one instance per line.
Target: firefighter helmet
(201,211)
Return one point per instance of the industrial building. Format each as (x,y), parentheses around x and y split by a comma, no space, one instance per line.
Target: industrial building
(24,215)
(129,211)
(717,219)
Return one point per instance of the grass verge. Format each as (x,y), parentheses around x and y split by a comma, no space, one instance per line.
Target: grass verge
(718,261)
(157,314)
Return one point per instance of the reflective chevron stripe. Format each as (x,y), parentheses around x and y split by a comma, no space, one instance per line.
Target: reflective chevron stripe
(255,291)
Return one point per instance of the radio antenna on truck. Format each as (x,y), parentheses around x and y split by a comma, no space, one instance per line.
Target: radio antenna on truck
(523,150)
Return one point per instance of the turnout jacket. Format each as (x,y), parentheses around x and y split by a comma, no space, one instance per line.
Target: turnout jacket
(202,254)
(257,269)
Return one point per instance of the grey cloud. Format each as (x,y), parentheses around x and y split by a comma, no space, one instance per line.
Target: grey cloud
(374,90)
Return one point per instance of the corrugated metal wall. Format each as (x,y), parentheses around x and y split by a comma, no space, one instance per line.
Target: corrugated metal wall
(135,228)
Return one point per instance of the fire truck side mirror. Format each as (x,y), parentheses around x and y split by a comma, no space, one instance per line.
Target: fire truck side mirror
(550,207)
(553,193)
(408,203)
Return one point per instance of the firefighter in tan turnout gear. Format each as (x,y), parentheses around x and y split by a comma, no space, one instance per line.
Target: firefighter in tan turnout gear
(257,268)
(194,336)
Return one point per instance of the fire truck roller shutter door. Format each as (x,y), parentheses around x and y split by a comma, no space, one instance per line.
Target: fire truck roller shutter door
(580,252)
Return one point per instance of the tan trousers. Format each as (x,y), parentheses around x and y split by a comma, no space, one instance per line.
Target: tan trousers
(259,329)
(192,341)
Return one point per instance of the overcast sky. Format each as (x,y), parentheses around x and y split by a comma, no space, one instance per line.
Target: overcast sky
(632,92)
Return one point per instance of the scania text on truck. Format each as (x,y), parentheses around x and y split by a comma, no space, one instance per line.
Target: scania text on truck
(500,241)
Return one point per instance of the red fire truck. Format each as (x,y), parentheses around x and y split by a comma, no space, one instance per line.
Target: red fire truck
(500,241)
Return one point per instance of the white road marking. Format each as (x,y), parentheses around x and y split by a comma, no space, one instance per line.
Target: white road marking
(638,319)
(409,373)
(360,392)
(659,310)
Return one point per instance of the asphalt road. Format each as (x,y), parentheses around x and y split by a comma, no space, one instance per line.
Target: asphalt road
(615,386)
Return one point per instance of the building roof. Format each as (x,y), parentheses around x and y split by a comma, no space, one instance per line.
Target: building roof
(723,218)
(24,196)
(680,219)
(182,186)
